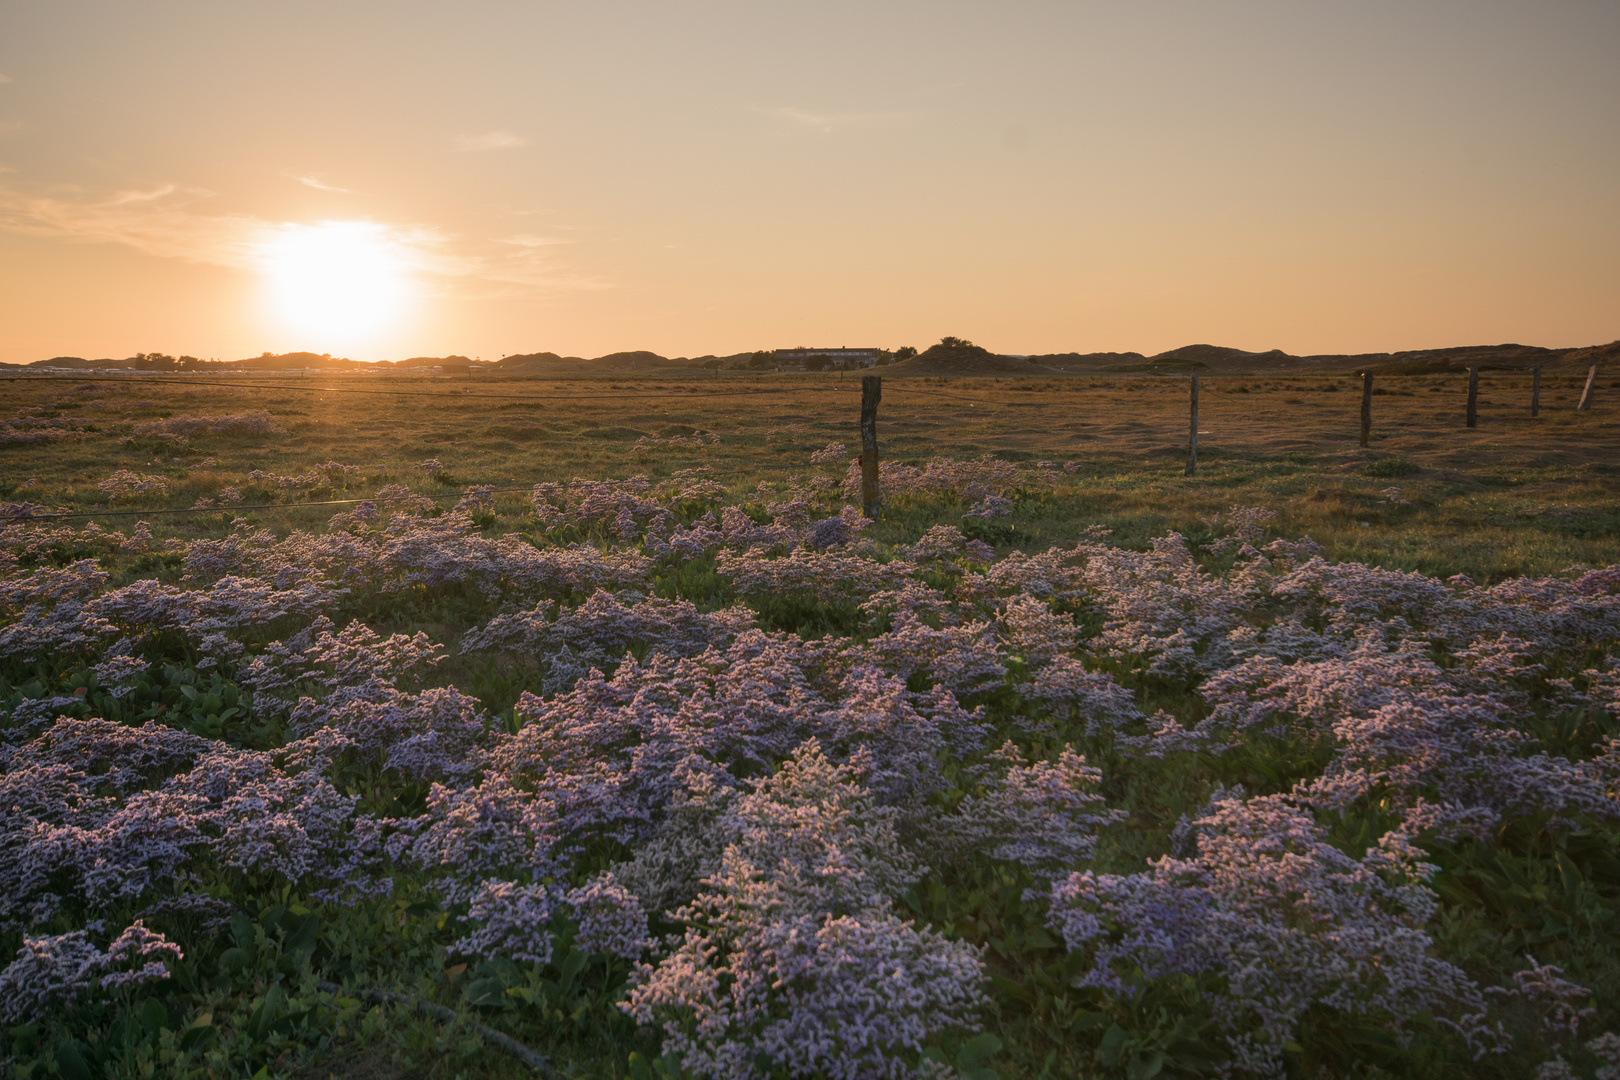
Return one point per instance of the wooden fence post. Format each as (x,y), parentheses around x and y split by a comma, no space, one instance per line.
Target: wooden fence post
(871,393)
(1366,407)
(1473,397)
(1535,390)
(1586,395)
(1192,437)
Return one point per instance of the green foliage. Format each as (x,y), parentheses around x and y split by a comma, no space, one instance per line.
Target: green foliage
(807,616)
(990,531)
(248,1001)
(1393,466)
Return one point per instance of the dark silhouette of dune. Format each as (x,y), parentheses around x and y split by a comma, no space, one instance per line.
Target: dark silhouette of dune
(951,357)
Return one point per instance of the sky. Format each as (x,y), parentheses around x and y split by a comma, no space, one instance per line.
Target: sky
(221,178)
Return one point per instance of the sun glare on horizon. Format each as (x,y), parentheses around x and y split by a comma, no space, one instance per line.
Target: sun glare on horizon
(345,283)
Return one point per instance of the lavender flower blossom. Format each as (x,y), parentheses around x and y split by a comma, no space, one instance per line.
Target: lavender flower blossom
(51,972)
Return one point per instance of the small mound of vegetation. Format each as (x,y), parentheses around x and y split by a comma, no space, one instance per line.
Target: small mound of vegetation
(1393,466)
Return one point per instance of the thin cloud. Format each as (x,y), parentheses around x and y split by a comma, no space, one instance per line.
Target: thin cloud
(489,140)
(314,180)
(829,123)
(166,222)
(124,198)
(5,78)
(155,221)
(527,240)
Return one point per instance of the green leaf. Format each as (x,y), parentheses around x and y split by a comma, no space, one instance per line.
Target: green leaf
(257,1024)
(1113,1042)
(1193,1055)
(970,1058)
(289,1021)
(1145,1066)
(154,1017)
(307,936)
(976,1049)
(1567,870)
(1012,988)
(70,1062)
(571,965)
(485,991)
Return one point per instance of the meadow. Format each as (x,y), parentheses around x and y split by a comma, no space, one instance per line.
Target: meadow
(593,714)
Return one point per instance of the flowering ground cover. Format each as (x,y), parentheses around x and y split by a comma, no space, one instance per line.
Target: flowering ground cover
(697,772)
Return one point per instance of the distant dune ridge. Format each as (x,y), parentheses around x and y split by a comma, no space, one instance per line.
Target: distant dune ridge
(952,356)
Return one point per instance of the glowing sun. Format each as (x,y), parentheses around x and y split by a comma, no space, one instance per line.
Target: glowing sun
(337,281)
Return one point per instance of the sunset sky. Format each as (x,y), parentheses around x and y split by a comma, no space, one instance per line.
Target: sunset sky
(383,180)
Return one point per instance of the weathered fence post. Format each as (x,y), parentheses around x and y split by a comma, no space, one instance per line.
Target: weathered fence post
(1473,397)
(1366,407)
(871,393)
(1586,395)
(1535,390)
(1192,436)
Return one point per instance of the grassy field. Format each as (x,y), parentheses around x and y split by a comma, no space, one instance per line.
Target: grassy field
(254,999)
(1514,496)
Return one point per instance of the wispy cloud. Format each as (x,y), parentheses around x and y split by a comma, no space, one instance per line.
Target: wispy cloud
(834,122)
(529,263)
(314,180)
(489,140)
(170,222)
(5,78)
(157,221)
(528,240)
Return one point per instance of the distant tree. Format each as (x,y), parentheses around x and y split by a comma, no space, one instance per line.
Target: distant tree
(955,342)
(904,352)
(761,360)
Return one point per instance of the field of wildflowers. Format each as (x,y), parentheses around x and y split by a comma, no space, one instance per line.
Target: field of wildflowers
(665,776)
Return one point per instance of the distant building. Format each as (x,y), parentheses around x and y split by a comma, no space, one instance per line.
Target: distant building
(802,359)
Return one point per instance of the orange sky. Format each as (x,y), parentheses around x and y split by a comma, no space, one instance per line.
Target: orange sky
(386,180)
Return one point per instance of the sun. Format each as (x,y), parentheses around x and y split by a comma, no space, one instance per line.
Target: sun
(339,282)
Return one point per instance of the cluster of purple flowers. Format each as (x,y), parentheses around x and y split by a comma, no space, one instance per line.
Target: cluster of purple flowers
(332,473)
(123,483)
(25,430)
(96,812)
(772,797)
(253,422)
(697,440)
(53,971)
(1288,920)
(943,478)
